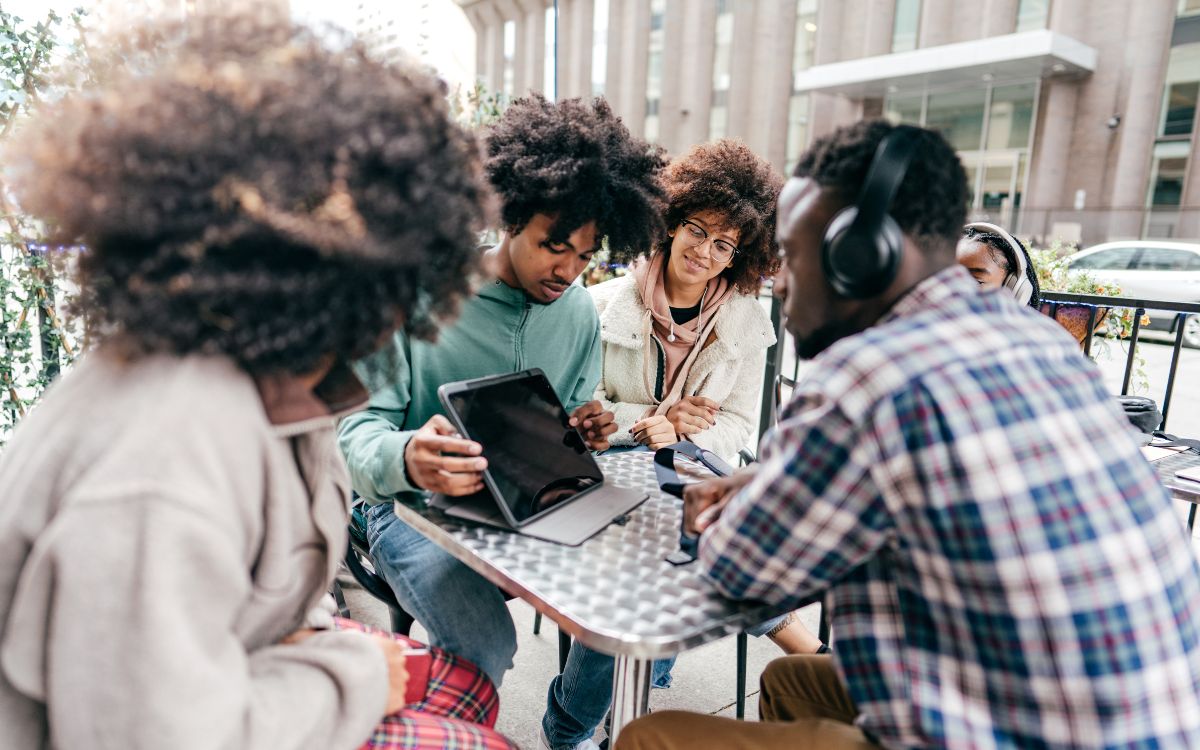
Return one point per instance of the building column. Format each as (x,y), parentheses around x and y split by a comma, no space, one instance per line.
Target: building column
(1049,164)
(822,117)
(672,74)
(937,23)
(1151,24)
(695,77)
(881,22)
(628,59)
(531,47)
(762,81)
(999,17)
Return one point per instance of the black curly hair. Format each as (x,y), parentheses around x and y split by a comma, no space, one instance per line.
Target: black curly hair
(1002,254)
(576,161)
(261,194)
(931,203)
(726,177)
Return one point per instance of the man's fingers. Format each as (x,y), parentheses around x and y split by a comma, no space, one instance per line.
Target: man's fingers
(455,465)
(441,425)
(457,485)
(443,444)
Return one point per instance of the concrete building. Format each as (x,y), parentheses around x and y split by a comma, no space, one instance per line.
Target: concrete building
(1074,118)
(436,32)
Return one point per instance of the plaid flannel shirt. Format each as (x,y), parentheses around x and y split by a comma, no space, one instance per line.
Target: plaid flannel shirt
(1003,568)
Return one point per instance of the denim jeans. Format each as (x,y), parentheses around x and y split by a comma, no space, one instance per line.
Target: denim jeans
(580,697)
(462,612)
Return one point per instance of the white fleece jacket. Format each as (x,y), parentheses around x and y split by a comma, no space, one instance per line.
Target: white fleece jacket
(729,370)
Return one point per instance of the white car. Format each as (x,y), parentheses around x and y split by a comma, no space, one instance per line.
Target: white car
(1149,270)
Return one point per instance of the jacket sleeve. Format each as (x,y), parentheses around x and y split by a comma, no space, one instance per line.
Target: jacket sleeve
(625,414)
(738,418)
(373,441)
(133,602)
(590,362)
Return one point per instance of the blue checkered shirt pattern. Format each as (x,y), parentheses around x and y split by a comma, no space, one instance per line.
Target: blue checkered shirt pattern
(1002,566)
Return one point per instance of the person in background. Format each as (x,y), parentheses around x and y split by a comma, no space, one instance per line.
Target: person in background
(173,512)
(996,259)
(1002,566)
(569,176)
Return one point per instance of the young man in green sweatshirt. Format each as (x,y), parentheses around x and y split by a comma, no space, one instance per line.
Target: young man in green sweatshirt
(568,175)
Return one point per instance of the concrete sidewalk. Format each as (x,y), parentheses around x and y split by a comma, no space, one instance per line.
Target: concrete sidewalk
(704,678)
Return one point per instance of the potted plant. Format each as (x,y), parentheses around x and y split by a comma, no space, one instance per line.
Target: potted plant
(1054,275)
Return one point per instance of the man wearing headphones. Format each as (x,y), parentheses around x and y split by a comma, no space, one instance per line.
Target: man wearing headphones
(997,260)
(1002,567)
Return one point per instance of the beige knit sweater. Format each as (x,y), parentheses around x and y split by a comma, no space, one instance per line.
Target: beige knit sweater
(158,537)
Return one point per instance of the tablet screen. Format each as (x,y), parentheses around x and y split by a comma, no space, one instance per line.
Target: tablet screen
(536,460)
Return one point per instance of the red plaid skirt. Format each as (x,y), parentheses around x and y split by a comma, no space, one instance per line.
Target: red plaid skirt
(458,712)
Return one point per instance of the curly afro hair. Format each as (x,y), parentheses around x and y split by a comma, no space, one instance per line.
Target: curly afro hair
(931,204)
(577,162)
(726,177)
(258,194)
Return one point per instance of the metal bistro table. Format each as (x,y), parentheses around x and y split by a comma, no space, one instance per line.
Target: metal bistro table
(615,593)
(1181,489)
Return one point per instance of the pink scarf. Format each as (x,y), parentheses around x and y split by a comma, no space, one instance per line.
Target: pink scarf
(680,354)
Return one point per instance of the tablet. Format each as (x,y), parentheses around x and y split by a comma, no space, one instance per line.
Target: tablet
(537,462)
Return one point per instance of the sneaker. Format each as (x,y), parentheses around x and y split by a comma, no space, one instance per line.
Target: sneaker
(544,744)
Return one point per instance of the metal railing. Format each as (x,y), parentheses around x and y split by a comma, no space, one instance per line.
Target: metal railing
(1181,310)
(774,378)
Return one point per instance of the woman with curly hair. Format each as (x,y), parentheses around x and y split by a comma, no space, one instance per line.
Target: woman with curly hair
(684,337)
(257,210)
(684,343)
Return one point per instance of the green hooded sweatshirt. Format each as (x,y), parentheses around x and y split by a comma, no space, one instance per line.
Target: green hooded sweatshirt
(501,330)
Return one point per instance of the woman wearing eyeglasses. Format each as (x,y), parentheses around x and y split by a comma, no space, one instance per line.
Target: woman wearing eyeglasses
(684,337)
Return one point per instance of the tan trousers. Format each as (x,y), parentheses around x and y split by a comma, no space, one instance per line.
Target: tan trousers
(803,706)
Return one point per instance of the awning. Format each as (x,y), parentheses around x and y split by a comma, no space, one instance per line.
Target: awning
(1024,56)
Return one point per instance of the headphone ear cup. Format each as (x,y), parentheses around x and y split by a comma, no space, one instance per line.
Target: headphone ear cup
(1020,287)
(860,264)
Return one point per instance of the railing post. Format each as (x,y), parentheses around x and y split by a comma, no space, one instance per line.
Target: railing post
(1174,366)
(1133,342)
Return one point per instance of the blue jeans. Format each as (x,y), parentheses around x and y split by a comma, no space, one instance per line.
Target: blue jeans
(461,610)
(580,697)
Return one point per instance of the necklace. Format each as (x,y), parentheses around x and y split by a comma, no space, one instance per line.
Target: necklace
(699,321)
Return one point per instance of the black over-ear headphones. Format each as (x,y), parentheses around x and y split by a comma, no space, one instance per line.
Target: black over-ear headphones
(862,247)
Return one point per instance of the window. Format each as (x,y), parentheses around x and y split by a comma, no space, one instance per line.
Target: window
(1179,109)
(805,46)
(1010,116)
(1032,14)
(549,72)
(904,109)
(958,115)
(1113,259)
(797,134)
(904,28)
(1168,172)
(510,57)
(803,49)
(658,11)
(599,46)
(718,119)
(1167,259)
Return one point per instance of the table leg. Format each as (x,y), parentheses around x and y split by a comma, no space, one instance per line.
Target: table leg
(631,693)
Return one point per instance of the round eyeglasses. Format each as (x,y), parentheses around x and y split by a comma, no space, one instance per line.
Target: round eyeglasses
(695,235)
